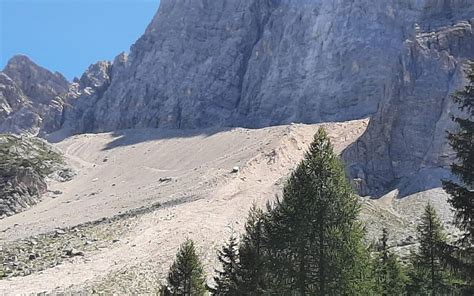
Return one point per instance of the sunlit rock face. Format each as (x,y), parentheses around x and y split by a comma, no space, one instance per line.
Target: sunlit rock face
(83,95)
(30,98)
(257,63)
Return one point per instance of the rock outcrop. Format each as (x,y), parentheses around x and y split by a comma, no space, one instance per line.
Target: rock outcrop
(84,94)
(30,98)
(25,163)
(405,145)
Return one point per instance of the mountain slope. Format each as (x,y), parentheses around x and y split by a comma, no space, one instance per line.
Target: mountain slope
(259,63)
(139,193)
(188,173)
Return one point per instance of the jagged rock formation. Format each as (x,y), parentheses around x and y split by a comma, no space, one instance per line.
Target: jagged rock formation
(256,63)
(83,96)
(405,144)
(30,99)
(25,163)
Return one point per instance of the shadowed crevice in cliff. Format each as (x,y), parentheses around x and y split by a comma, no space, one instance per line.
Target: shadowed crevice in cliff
(423,180)
(419,181)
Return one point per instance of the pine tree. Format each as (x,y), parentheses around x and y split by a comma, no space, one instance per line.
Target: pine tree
(186,276)
(226,279)
(315,241)
(428,275)
(252,274)
(462,192)
(389,275)
(461,255)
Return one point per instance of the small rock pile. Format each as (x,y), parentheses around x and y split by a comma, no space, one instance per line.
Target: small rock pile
(27,256)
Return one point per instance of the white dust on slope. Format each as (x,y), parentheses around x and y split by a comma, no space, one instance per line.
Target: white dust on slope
(121,171)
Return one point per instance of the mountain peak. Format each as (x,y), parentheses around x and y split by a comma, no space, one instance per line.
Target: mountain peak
(33,104)
(26,73)
(21,63)
(19,59)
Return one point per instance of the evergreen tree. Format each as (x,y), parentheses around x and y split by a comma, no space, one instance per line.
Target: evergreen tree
(428,275)
(389,275)
(315,242)
(252,274)
(186,276)
(461,255)
(462,193)
(226,280)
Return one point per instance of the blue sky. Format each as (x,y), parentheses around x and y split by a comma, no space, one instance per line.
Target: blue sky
(69,35)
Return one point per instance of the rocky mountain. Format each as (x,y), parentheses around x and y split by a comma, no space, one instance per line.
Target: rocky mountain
(384,70)
(255,63)
(30,98)
(260,63)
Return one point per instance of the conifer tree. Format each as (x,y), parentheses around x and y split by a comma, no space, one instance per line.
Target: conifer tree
(186,276)
(226,279)
(462,141)
(252,274)
(315,242)
(389,275)
(461,255)
(428,275)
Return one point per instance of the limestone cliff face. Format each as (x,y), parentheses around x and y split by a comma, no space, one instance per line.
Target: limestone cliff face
(30,99)
(256,63)
(405,144)
(11,97)
(187,70)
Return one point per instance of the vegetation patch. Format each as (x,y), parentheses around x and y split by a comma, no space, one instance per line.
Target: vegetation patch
(25,163)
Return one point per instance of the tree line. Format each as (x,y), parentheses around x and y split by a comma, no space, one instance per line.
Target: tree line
(310,242)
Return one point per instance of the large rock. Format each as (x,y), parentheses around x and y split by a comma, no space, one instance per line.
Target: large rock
(25,163)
